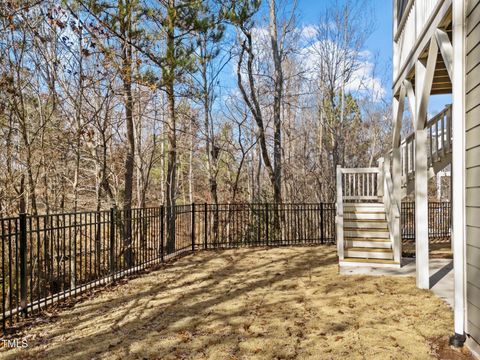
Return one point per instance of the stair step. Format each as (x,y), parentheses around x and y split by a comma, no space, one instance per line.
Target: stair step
(366,229)
(369,253)
(373,239)
(364,216)
(370,249)
(369,262)
(364,209)
(367,243)
(359,204)
(367,233)
(364,206)
(368,224)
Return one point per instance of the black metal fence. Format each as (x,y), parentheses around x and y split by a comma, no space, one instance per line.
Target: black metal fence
(47,258)
(268,224)
(439,220)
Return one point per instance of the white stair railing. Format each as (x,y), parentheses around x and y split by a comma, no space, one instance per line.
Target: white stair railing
(360,184)
(355,185)
(392,209)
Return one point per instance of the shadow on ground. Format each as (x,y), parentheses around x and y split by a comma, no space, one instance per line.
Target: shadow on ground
(247,304)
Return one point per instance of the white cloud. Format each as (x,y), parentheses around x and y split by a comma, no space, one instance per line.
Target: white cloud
(308,32)
(362,81)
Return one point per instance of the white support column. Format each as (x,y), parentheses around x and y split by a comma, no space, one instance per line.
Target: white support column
(458,167)
(398,108)
(421,185)
(397,199)
(421,210)
(423,85)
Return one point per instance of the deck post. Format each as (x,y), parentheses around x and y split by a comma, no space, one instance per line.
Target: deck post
(397,199)
(421,183)
(458,171)
(424,72)
(421,210)
(398,108)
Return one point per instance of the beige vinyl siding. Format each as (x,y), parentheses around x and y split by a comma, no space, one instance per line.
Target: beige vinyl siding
(472,139)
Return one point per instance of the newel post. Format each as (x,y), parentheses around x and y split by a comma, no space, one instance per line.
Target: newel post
(380,178)
(339,215)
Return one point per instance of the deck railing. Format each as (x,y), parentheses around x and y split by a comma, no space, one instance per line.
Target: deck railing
(439,130)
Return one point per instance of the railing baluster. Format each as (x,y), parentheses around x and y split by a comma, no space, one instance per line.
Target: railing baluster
(432,144)
(355,179)
(449,128)
(443,132)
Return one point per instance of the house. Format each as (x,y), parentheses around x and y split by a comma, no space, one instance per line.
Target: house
(436,50)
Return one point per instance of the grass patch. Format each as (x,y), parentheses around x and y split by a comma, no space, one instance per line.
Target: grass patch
(281,303)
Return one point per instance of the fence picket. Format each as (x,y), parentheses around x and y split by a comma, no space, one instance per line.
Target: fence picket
(38,250)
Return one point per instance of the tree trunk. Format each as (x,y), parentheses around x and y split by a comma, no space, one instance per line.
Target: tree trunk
(252,102)
(277,100)
(169,79)
(277,124)
(126,28)
(210,148)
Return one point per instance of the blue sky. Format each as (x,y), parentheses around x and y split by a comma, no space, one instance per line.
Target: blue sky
(379,43)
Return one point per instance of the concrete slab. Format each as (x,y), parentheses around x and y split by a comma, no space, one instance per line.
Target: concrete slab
(441,282)
(441,275)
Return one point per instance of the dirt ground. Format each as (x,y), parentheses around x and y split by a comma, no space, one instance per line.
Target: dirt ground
(282,303)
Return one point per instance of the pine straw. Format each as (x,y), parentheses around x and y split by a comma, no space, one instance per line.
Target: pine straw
(279,303)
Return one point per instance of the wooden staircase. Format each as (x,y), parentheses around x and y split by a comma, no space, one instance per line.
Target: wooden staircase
(369,199)
(367,218)
(366,236)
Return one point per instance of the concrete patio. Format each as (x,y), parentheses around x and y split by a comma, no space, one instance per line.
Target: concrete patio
(441,275)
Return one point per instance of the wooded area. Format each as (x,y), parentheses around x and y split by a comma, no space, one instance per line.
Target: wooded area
(135,103)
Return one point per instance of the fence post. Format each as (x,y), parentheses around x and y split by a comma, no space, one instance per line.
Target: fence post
(266,222)
(322,239)
(112,241)
(193,226)
(162,230)
(205,220)
(23,262)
